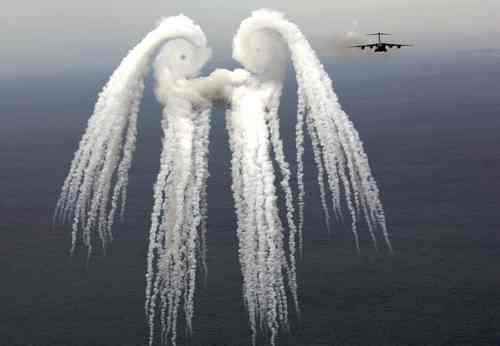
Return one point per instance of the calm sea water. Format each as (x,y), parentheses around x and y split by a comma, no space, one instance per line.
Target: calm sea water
(431,128)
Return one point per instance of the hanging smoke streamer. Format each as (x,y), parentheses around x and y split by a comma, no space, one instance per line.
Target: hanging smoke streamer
(178,221)
(96,186)
(179,211)
(263,258)
(98,176)
(261,45)
(177,216)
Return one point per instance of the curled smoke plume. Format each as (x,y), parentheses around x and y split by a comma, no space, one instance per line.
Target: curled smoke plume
(95,189)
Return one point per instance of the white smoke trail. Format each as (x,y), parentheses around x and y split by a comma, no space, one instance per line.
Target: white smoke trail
(177,215)
(100,166)
(178,221)
(299,146)
(267,270)
(341,149)
(318,159)
(96,186)
(260,45)
(279,154)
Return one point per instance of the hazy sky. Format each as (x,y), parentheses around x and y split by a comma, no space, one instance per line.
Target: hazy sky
(55,36)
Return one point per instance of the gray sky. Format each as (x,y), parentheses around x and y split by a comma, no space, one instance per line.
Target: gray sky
(55,36)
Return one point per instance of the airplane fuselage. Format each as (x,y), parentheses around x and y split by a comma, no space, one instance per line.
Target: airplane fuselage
(381,47)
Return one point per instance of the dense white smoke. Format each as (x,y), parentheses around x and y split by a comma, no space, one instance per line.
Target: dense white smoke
(96,185)
(98,177)
(178,221)
(95,188)
(179,209)
(267,270)
(338,152)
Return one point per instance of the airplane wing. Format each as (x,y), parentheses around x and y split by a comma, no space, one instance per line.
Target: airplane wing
(398,45)
(363,46)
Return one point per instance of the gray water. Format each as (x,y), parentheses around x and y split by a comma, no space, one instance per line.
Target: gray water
(430,126)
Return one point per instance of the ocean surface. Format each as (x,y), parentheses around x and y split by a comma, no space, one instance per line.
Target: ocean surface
(431,129)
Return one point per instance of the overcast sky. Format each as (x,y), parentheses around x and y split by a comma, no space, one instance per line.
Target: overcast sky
(55,36)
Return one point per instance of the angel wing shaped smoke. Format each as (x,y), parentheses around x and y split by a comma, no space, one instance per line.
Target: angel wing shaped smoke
(98,176)
(96,186)
(261,45)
